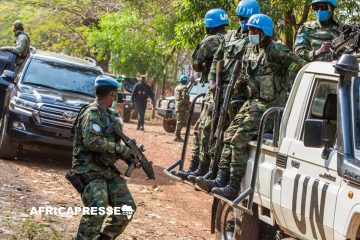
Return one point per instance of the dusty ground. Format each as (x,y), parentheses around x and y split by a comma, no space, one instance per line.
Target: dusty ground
(166,209)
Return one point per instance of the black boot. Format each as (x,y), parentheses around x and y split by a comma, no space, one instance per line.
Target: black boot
(200,171)
(178,137)
(221,180)
(193,166)
(230,191)
(103,237)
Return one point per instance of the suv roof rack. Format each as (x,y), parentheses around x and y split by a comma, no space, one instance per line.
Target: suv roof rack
(91,60)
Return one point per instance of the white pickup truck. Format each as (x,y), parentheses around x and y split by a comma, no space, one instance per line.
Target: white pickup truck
(303,178)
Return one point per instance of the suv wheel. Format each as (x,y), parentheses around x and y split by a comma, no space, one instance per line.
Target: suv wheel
(7,150)
(169,125)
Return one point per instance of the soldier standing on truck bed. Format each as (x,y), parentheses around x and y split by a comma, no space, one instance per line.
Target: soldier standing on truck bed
(313,40)
(231,49)
(215,22)
(22,45)
(265,67)
(181,106)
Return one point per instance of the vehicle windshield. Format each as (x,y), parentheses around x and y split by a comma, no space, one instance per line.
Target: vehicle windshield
(357,112)
(199,88)
(61,76)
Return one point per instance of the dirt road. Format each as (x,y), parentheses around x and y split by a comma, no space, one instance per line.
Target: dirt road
(166,208)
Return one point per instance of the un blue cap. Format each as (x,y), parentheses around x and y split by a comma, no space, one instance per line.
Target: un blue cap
(104,80)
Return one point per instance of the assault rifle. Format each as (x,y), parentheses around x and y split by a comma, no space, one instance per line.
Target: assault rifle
(219,135)
(348,42)
(139,157)
(216,106)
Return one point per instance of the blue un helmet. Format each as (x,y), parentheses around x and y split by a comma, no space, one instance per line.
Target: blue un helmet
(183,79)
(332,2)
(246,9)
(215,18)
(104,80)
(262,22)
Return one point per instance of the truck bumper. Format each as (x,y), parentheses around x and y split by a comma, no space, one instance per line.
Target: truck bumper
(165,113)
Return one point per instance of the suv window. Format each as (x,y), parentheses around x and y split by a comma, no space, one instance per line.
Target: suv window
(198,88)
(61,76)
(357,112)
(322,91)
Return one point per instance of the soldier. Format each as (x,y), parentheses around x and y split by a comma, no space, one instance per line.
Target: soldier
(231,49)
(215,22)
(314,39)
(181,106)
(142,91)
(96,148)
(264,69)
(22,44)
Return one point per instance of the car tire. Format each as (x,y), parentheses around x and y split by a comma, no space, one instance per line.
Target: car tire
(169,125)
(235,224)
(7,150)
(127,115)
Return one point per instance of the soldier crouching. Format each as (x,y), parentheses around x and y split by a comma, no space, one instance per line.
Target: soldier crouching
(96,148)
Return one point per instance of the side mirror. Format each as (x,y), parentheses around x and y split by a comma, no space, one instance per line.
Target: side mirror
(314,132)
(8,76)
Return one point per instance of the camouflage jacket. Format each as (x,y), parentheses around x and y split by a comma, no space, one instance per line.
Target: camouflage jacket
(181,98)
(265,72)
(310,37)
(204,52)
(231,49)
(21,48)
(94,141)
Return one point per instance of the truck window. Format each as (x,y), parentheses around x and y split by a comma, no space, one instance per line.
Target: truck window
(322,91)
(357,112)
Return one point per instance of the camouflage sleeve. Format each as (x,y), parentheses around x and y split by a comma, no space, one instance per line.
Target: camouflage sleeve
(93,138)
(281,55)
(20,46)
(302,45)
(204,53)
(219,55)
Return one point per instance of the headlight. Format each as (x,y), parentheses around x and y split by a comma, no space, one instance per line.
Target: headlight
(23,105)
(172,105)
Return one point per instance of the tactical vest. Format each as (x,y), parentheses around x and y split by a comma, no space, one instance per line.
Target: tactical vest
(265,80)
(234,47)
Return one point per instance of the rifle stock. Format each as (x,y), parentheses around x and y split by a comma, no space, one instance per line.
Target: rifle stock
(222,118)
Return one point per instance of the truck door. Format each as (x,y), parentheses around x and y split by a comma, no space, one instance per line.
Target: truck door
(310,183)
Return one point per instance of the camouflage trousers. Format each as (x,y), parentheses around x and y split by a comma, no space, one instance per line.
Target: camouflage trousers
(242,129)
(181,119)
(202,130)
(103,193)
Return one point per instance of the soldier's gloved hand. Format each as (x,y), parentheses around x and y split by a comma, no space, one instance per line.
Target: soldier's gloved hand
(325,47)
(123,152)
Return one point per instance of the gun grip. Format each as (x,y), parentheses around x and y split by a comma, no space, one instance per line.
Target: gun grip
(130,169)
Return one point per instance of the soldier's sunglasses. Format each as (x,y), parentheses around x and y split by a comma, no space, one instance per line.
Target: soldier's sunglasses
(320,7)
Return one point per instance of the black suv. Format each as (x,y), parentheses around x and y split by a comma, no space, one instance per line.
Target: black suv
(40,104)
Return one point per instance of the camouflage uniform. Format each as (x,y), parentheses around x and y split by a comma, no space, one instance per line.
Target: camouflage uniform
(263,76)
(94,156)
(310,37)
(21,48)
(181,106)
(201,62)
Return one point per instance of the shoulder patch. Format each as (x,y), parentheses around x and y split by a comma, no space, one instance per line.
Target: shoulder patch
(300,38)
(96,127)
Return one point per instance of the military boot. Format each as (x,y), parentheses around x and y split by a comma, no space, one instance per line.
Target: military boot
(178,137)
(230,191)
(193,166)
(202,169)
(221,180)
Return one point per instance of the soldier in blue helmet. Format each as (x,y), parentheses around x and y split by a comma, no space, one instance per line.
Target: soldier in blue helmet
(215,22)
(313,40)
(265,67)
(96,148)
(182,102)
